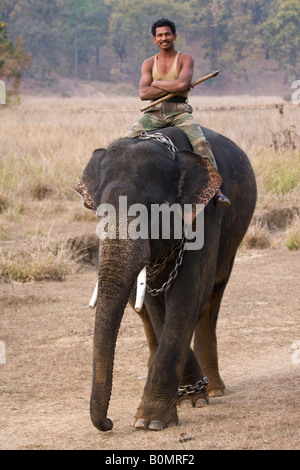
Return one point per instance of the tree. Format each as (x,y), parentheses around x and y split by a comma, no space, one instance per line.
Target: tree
(86,29)
(282,36)
(12,61)
(129,30)
(243,39)
(66,38)
(209,23)
(37,20)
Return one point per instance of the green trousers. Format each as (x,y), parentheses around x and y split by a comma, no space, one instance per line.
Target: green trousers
(177,115)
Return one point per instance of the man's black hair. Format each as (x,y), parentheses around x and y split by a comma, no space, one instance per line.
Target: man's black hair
(163,22)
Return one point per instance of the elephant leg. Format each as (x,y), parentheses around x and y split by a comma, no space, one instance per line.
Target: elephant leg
(150,334)
(157,409)
(191,392)
(205,341)
(171,365)
(149,329)
(192,371)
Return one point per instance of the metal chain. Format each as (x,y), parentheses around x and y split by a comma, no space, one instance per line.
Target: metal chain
(192,389)
(164,139)
(160,264)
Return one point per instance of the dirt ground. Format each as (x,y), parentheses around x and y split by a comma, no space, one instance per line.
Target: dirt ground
(45,384)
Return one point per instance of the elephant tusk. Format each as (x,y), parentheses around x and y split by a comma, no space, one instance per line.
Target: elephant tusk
(140,290)
(94,297)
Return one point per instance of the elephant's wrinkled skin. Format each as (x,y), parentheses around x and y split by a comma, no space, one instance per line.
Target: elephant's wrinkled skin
(145,172)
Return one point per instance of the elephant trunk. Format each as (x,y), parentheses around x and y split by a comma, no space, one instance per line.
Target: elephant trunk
(120,263)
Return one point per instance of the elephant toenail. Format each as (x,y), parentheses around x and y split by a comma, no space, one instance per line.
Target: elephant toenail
(155,425)
(215,392)
(186,404)
(140,424)
(200,403)
(172,424)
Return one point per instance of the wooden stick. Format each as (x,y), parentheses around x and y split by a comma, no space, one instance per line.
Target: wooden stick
(170,95)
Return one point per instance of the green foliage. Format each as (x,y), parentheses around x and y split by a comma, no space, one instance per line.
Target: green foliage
(129,34)
(86,31)
(280,175)
(12,61)
(282,35)
(293,235)
(40,261)
(74,37)
(38,21)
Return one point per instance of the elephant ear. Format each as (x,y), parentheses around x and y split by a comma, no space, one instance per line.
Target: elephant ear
(90,179)
(198,181)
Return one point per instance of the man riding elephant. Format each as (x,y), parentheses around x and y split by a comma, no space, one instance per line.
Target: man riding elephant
(183,288)
(171,72)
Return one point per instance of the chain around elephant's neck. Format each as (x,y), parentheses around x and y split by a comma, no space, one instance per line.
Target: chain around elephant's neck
(164,139)
(157,266)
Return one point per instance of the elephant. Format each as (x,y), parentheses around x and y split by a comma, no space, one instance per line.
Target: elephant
(179,321)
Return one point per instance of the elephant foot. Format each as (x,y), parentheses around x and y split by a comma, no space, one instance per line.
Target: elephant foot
(155,420)
(193,396)
(154,425)
(198,400)
(216,387)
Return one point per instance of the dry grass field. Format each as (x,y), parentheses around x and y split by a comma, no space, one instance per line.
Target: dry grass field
(44,291)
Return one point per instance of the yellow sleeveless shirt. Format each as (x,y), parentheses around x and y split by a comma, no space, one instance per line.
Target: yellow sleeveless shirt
(172,74)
